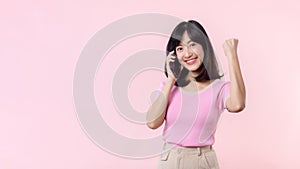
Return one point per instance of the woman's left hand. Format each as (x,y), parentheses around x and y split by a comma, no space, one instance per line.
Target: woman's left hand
(230,47)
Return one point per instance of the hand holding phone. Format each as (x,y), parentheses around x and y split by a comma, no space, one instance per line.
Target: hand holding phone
(173,65)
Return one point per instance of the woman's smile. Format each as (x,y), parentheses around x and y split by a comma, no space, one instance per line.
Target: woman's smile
(191,61)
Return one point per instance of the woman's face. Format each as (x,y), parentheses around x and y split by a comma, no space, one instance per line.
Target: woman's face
(190,54)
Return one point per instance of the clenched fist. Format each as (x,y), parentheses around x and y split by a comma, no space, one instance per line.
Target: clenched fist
(230,47)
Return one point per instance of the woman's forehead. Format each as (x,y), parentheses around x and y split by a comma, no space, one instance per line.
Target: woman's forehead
(185,39)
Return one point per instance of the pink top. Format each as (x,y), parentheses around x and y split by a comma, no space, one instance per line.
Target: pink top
(192,118)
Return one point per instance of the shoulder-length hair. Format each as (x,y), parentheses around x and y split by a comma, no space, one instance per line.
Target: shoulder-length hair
(209,68)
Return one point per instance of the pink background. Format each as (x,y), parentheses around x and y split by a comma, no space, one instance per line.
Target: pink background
(41,42)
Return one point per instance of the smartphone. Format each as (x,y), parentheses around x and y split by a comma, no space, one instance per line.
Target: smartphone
(175,66)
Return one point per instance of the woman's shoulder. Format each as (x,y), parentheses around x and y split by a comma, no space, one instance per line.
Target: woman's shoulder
(221,82)
(162,84)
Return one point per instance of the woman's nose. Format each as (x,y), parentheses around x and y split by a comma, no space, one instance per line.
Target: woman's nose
(187,52)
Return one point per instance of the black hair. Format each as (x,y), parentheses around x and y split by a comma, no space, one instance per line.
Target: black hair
(209,69)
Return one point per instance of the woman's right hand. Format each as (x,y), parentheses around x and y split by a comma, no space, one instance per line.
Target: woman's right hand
(170,59)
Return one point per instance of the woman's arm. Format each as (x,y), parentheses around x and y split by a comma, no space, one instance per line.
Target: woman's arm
(237,99)
(157,111)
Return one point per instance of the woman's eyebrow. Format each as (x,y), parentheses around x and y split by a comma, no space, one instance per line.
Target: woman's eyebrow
(181,43)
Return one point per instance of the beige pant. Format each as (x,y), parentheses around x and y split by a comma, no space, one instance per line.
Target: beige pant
(188,158)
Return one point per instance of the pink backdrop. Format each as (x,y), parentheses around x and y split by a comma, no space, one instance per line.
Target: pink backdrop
(41,42)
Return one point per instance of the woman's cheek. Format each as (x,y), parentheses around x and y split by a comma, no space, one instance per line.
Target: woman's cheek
(180,57)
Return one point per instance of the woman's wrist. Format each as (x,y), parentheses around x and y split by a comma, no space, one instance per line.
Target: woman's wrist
(171,80)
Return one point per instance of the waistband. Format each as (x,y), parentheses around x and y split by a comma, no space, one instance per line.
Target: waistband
(179,149)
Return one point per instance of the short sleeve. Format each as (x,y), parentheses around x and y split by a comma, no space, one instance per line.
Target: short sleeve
(161,86)
(157,92)
(224,95)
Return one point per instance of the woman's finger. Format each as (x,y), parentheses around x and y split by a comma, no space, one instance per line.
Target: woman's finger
(171,52)
(171,58)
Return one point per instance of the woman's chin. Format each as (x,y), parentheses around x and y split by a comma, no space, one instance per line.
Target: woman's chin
(192,68)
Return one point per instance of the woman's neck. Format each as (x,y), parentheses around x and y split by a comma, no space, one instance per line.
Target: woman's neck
(192,75)
(194,86)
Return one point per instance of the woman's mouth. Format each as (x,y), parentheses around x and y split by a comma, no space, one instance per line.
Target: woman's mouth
(191,61)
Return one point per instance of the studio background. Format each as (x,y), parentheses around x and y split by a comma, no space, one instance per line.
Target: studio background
(40,45)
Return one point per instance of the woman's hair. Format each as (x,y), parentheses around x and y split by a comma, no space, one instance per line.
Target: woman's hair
(209,69)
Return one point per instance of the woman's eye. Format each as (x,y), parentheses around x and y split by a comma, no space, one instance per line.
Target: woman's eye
(192,44)
(179,49)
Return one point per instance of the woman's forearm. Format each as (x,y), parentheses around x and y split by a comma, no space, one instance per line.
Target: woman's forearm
(157,111)
(237,86)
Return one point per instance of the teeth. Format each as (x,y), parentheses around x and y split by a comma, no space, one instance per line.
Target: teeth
(190,60)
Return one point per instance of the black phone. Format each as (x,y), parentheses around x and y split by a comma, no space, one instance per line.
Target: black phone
(175,66)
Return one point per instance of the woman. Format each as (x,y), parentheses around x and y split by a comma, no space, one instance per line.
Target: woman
(193,98)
